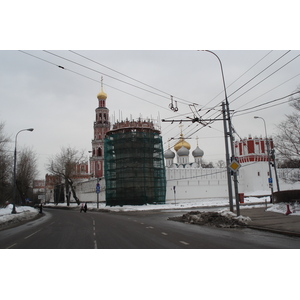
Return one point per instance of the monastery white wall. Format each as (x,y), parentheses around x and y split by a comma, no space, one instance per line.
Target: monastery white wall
(86,191)
(203,183)
(195,183)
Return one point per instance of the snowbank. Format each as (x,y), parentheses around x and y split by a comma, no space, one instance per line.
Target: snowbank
(24,213)
(281,208)
(181,204)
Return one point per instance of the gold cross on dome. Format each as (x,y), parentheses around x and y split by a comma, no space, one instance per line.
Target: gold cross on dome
(101,82)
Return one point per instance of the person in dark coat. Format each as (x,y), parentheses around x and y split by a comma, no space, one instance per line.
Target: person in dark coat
(85,207)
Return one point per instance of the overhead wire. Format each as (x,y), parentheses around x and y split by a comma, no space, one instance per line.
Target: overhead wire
(266,77)
(87,77)
(241,75)
(259,73)
(269,90)
(254,85)
(127,76)
(112,77)
(266,103)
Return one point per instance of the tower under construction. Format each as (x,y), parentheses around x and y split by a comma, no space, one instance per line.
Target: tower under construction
(134,164)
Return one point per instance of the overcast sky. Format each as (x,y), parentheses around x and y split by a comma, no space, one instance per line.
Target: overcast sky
(60,104)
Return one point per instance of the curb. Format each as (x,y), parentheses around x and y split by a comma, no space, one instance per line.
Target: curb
(278,231)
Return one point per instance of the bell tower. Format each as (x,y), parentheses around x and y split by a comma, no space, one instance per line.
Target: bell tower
(101,127)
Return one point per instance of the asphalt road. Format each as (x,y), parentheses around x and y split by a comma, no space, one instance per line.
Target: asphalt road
(70,229)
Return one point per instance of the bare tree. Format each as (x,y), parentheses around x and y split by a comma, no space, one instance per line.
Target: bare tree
(5,167)
(287,140)
(64,165)
(206,164)
(26,172)
(221,164)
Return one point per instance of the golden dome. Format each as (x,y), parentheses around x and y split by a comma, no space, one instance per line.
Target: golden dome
(102,95)
(181,143)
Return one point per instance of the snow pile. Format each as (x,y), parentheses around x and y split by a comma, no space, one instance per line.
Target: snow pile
(223,219)
(282,208)
(24,213)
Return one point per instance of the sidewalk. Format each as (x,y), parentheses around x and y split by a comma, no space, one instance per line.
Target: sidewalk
(273,222)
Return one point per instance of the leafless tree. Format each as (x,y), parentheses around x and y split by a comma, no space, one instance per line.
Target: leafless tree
(64,165)
(206,164)
(26,172)
(221,164)
(287,141)
(5,167)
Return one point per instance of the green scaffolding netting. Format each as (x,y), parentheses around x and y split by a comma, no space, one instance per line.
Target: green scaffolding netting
(134,168)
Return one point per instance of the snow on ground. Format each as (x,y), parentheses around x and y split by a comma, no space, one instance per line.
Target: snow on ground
(23,213)
(27,212)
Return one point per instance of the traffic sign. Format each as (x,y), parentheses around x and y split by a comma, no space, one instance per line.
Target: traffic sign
(98,188)
(234,166)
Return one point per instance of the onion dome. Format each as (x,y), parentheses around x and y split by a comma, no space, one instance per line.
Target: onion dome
(183,151)
(169,154)
(198,152)
(182,143)
(102,95)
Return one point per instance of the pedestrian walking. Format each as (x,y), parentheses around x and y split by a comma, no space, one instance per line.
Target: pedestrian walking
(85,207)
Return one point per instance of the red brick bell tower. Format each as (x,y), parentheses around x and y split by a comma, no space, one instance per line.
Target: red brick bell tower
(101,127)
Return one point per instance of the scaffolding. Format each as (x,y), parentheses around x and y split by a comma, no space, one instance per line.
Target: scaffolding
(134,165)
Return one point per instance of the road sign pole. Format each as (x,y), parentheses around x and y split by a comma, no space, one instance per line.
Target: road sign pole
(98,192)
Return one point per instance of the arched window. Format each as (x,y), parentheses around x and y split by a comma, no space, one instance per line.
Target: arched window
(99,152)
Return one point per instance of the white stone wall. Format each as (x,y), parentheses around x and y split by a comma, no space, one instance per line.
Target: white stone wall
(202,183)
(86,191)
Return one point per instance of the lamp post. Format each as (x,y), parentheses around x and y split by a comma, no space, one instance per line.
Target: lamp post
(269,161)
(228,132)
(15,166)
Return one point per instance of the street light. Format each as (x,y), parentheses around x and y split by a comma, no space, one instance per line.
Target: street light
(15,165)
(225,108)
(269,161)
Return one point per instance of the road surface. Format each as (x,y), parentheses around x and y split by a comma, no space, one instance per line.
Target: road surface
(70,229)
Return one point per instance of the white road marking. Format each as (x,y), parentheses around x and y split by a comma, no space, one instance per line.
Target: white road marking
(95,242)
(184,243)
(11,246)
(149,227)
(31,234)
(164,233)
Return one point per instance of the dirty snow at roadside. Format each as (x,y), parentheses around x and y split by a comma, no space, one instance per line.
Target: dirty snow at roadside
(23,213)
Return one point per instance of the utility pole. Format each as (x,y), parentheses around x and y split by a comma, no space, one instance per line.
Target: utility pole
(227,158)
(228,119)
